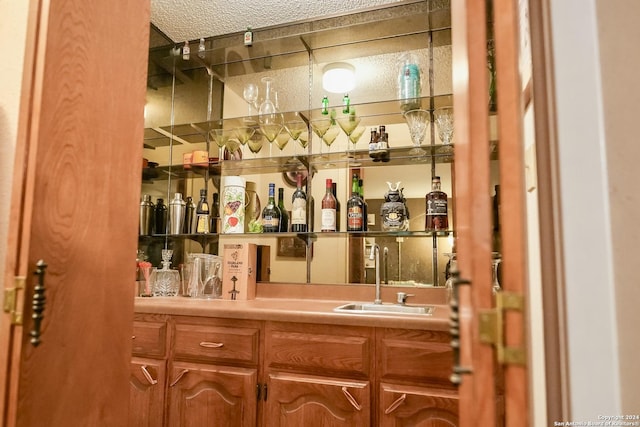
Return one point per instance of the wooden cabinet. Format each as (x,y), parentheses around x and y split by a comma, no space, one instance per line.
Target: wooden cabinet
(236,372)
(414,389)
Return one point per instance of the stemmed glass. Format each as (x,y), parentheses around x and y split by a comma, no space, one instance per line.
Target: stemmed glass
(250,94)
(329,137)
(221,136)
(232,145)
(417,120)
(282,140)
(354,137)
(320,127)
(303,139)
(244,134)
(443,117)
(271,121)
(255,143)
(348,123)
(295,128)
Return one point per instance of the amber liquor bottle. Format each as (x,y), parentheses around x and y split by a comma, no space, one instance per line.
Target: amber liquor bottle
(437,208)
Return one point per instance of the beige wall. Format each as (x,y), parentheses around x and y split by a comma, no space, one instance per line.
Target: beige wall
(13,19)
(619,34)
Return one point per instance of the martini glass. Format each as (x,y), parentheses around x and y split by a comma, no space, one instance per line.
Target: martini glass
(255,143)
(329,137)
(417,120)
(244,134)
(443,117)
(221,136)
(320,127)
(233,149)
(295,128)
(354,137)
(282,140)
(303,139)
(348,123)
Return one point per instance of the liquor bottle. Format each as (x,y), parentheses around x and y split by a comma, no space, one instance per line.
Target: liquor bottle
(355,218)
(365,208)
(215,214)
(338,207)
(284,216)
(328,209)
(373,145)
(325,106)
(346,104)
(189,210)
(437,207)
(161,217)
(383,144)
(271,213)
(186,51)
(299,208)
(203,214)
(201,49)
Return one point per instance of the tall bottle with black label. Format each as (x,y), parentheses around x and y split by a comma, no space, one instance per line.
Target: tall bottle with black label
(365,207)
(338,205)
(203,214)
(437,207)
(284,216)
(271,213)
(328,223)
(299,208)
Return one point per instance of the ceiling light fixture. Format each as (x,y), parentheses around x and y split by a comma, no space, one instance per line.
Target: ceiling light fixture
(338,77)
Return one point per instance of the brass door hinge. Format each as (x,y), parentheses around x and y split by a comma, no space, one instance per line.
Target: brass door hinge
(492,328)
(11,300)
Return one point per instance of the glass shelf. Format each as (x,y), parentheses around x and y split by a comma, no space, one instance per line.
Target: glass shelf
(312,235)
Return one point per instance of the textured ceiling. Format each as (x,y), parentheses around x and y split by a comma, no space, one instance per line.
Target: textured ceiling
(183,20)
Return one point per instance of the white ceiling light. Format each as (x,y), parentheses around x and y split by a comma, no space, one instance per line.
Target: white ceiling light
(338,77)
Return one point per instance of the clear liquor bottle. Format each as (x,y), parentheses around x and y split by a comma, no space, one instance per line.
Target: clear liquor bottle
(271,213)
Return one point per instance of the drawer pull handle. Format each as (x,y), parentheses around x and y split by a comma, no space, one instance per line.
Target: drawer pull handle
(351,399)
(147,375)
(208,344)
(180,375)
(395,404)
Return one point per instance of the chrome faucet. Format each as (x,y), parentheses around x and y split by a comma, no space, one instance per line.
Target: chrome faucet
(375,252)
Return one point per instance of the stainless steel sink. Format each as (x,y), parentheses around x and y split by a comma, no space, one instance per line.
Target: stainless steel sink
(370,308)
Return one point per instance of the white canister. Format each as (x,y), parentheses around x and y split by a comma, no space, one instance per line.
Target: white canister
(232,204)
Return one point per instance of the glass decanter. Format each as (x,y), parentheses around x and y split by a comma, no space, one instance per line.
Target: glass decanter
(166,282)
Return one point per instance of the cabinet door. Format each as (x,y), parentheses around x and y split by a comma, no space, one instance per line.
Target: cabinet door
(209,395)
(304,400)
(146,407)
(402,405)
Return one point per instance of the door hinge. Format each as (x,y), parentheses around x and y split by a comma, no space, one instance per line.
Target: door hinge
(491,323)
(11,300)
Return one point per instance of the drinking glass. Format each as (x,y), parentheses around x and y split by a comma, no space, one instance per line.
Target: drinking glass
(282,140)
(320,127)
(250,95)
(303,139)
(271,121)
(348,123)
(443,118)
(295,128)
(354,137)
(329,137)
(233,148)
(255,143)
(244,134)
(221,136)
(417,120)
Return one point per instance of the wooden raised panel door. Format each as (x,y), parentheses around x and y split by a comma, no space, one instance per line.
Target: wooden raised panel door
(74,204)
(208,395)
(304,400)
(146,401)
(404,405)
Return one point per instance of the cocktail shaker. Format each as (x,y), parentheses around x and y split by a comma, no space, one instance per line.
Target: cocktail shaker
(176,214)
(146,215)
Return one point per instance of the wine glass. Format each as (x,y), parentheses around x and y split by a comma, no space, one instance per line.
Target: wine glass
(271,121)
(417,120)
(443,117)
(244,134)
(221,136)
(303,139)
(232,146)
(354,137)
(282,140)
(250,94)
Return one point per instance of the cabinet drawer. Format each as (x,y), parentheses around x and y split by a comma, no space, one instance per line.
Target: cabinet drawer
(149,339)
(322,349)
(217,343)
(415,356)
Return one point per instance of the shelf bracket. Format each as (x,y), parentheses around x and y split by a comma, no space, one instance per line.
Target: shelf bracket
(11,300)
(491,324)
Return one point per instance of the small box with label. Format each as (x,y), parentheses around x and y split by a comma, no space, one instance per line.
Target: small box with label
(239,271)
